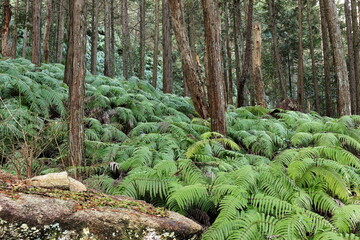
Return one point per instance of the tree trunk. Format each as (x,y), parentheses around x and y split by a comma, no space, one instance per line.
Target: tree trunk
(167,48)
(36,33)
(26,28)
(327,60)
(300,80)
(355,85)
(142,38)
(15,34)
(229,57)
(112,38)
(339,57)
(313,62)
(47,31)
(125,37)
(94,35)
(256,66)
(237,37)
(188,63)
(108,69)
(75,77)
(274,38)
(60,32)
(156,44)
(5,34)
(351,62)
(214,80)
(247,57)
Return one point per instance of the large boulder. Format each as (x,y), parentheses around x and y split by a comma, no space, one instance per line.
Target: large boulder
(57,180)
(42,213)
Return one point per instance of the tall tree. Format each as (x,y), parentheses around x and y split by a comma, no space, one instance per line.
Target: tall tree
(300,80)
(351,62)
(312,54)
(237,38)
(191,74)
(230,89)
(167,48)
(327,59)
(142,38)
(356,45)
(247,58)
(108,64)
(60,32)
(36,33)
(256,66)
(5,33)
(15,31)
(274,37)
(125,37)
(339,57)
(156,44)
(75,77)
(47,30)
(25,39)
(94,35)
(215,81)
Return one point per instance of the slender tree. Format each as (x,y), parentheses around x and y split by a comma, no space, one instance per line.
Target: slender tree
(15,31)
(142,38)
(25,39)
(191,74)
(47,31)
(75,77)
(36,33)
(256,66)
(355,85)
(5,33)
(94,35)
(339,57)
(237,37)
(300,80)
(167,48)
(156,44)
(125,37)
(229,56)
(108,64)
(60,32)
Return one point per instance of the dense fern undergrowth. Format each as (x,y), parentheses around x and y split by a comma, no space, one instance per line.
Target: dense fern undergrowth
(284,175)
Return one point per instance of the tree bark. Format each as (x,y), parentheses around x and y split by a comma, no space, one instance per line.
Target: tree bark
(26,28)
(256,66)
(47,31)
(142,39)
(167,48)
(5,33)
(237,37)
(247,57)
(188,63)
(229,57)
(108,69)
(277,58)
(313,62)
(94,35)
(60,32)
(75,77)
(327,60)
(125,37)
(300,80)
(339,57)
(351,61)
(156,44)
(36,33)
(215,81)
(15,32)
(355,85)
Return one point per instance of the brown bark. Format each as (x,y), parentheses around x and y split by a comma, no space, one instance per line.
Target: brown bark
(125,37)
(167,48)
(112,37)
(60,32)
(339,57)
(313,62)
(327,60)
(36,33)
(156,44)
(94,35)
(230,89)
(351,61)
(26,28)
(75,77)
(47,31)
(355,85)
(256,66)
(15,34)
(300,80)
(237,37)
(247,58)
(142,39)
(188,63)
(277,58)
(5,33)
(214,80)
(108,69)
